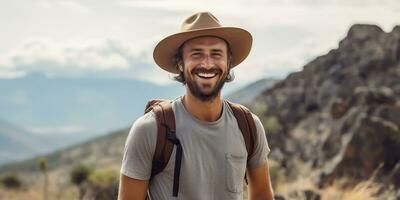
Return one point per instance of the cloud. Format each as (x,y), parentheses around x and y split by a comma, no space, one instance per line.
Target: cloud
(106,58)
(65,129)
(287,34)
(69,4)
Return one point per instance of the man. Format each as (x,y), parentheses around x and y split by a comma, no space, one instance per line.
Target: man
(215,159)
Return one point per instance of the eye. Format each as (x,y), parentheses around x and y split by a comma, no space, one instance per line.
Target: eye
(196,55)
(217,55)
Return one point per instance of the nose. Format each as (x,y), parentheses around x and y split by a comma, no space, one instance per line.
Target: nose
(207,62)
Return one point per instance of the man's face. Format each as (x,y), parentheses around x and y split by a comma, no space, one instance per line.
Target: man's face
(205,67)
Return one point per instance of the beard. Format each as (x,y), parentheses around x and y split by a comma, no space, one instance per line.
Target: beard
(203,96)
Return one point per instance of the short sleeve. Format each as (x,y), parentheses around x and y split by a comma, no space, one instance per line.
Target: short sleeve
(139,148)
(261,148)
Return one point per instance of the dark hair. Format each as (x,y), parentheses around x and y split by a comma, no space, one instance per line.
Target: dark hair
(178,60)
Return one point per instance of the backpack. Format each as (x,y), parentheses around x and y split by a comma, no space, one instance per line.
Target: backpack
(166,137)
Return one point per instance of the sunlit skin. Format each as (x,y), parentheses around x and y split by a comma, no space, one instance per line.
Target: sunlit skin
(209,55)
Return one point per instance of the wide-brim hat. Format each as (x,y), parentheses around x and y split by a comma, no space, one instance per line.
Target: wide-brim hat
(197,25)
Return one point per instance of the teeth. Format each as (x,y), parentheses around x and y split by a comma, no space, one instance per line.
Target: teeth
(206,75)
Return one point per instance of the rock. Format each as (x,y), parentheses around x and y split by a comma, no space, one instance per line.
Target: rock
(340,115)
(371,144)
(279,197)
(305,194)
(311,195)
(395,175)
(338,109)
(363,31)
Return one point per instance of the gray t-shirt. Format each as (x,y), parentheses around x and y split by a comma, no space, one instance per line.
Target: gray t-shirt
(214,156)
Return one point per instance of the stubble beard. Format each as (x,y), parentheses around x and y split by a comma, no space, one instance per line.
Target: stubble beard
(203,96)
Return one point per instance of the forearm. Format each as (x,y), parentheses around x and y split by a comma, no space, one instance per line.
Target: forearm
(262,195)
(132,189)
(260,186)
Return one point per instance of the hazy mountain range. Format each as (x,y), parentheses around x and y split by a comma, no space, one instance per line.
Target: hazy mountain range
(40,114)
(247,94)
(76,105)
(105,149)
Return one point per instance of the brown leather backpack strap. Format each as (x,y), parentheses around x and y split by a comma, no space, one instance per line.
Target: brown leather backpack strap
(168,122)
(168,127)
(165,120)
(253,130)
(152,103)
(246,125)
(166,139)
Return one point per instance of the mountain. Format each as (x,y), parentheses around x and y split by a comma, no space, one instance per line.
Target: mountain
(45,114)
(106,150)
(17,144)
(247,94)
(102,151)
(76,105)
(340,116)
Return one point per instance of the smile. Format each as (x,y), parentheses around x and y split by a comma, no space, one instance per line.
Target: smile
(206,75)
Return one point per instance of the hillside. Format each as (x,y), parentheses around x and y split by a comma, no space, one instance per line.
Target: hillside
(340,116)
(103,151)
(17,144)
(247,94)
(100,149)
(46,114)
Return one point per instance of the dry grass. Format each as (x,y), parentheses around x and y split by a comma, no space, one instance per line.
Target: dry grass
(339,190)
(36,194)
(366,190)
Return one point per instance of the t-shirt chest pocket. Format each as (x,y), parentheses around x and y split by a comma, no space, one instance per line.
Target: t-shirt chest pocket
(234,172)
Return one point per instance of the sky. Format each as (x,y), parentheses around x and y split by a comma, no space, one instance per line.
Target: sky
(116,38)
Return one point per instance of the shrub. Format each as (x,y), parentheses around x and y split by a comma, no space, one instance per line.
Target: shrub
(103,178)
(11,181)
(271,124)
(104,184)
(79,174)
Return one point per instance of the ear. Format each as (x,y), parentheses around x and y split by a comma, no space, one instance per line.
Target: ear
(180,67)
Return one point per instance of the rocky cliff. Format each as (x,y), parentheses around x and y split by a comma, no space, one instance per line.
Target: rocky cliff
(340,116)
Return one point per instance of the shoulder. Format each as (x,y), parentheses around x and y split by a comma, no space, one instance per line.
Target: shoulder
(144,128)
(256,120)
(145,122)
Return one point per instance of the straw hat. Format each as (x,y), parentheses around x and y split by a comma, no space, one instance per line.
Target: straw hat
(202,24)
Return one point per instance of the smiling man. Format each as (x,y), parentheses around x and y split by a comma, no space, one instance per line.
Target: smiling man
(198,146)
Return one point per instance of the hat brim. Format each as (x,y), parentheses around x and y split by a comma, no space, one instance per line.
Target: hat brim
(240,42)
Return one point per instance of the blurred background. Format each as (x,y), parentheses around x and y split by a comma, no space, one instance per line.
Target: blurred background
(323,76)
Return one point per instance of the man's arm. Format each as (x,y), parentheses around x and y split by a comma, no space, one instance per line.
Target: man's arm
(259,187)
(137,159)
(132,189)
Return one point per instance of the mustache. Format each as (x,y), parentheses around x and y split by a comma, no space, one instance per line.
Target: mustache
(204,70)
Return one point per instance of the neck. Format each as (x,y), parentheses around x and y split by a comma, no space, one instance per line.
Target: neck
(208,111)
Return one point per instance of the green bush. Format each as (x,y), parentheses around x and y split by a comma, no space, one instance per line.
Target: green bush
(103,178)
(259,109)
(11,181)
(271,124)
(42,163)
(79,174)
(104,184)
